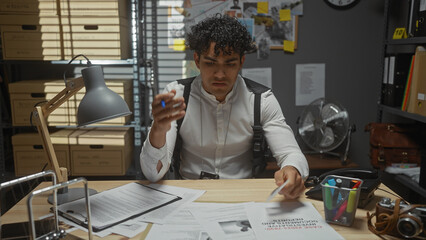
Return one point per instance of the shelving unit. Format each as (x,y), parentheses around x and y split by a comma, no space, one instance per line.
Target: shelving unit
(139,65)
(396,15)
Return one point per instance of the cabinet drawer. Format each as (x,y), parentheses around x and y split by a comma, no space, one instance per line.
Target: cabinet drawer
(31,159)
(94,161)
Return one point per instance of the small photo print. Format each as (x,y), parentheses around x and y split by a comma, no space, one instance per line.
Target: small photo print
(204,236)
(235,227)
(263,48)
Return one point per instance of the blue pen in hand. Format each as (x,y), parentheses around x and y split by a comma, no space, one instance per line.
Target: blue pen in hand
(163,104)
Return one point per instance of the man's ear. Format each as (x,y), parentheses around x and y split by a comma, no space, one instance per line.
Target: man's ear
(197,60)
(243,58)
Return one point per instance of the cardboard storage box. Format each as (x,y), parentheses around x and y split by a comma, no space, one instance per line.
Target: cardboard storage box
(101,152)
(56,20)
(66,7)
(29,156)
(57,42)
(24,95)
(28,6)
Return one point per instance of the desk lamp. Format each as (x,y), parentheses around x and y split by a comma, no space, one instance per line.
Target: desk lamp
(98,104)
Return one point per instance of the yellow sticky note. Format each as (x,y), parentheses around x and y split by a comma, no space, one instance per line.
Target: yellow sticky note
(288,46)
(399,33)
(285,15)
(262,7)
(179,44)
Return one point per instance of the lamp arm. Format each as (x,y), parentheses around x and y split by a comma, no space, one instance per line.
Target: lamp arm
(42,112)
(73,86)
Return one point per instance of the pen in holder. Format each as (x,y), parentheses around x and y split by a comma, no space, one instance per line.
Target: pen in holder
(340,195)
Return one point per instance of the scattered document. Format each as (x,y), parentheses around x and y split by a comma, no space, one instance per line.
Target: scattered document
(116,205)
(129,229)
(75,226)
(260,75)
(225,222)
(187,195)
(289,220)
(181,225)
(310,83)
(174,232)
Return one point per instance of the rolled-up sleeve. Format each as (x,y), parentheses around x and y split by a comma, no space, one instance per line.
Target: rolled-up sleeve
(280,136)
(149,159)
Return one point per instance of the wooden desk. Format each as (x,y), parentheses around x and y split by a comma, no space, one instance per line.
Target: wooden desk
(224,191)
(318,164)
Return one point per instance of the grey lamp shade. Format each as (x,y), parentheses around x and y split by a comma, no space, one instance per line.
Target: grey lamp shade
(99,103)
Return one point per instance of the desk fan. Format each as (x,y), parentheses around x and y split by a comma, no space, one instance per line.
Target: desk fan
(324,126)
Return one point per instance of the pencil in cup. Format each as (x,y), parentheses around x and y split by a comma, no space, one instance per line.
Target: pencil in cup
(341,200)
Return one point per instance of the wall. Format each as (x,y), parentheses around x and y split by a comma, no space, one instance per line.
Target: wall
(349,42)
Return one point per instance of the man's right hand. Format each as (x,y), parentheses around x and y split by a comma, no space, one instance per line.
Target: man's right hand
(174,109)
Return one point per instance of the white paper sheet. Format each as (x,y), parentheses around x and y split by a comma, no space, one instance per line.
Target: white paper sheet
(181,226)
(226,222)
(129,228)
(260,75)
(158,216)
(310,83)
(289,220)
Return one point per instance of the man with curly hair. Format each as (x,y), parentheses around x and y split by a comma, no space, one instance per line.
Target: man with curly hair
(216,130)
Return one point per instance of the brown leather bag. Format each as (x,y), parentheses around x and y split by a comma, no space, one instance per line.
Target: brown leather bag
(393,143)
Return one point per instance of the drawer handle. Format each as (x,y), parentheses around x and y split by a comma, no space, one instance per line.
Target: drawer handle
(38,146)
(96,146)
(91,27)
(29,27)
(38,95)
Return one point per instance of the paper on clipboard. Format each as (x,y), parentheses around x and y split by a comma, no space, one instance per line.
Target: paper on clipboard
(116,205)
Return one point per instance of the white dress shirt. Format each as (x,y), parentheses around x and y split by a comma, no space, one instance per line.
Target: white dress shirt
(217,136)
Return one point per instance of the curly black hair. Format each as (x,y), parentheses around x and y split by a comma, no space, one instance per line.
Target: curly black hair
(227,32)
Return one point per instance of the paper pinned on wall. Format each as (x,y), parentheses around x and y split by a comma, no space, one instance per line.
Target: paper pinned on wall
(310,83)
(285,15)
(262,7)
(179,44)
(288,46)
(260,75)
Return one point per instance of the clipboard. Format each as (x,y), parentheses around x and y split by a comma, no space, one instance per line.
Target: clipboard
(72,210)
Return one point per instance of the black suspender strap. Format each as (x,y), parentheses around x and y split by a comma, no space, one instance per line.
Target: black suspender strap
(259,141)
(176,151)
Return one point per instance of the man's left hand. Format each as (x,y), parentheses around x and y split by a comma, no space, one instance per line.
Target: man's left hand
(295,186)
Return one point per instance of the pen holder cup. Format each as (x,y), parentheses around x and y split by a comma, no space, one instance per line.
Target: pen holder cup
(340,196)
